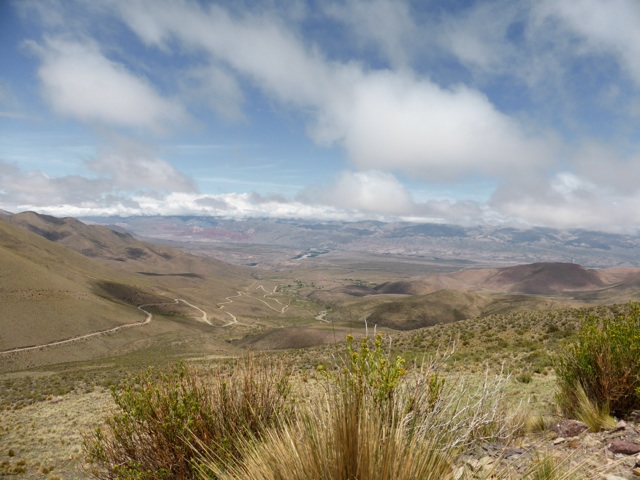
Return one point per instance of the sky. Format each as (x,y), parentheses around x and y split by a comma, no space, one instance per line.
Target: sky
(497,112)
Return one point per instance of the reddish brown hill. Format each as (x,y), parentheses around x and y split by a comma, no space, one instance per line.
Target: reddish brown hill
(545,279)
(401,288)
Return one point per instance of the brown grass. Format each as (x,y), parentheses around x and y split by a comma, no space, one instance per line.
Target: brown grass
(161,417)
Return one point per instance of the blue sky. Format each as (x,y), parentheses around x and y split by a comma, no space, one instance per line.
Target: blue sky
(469,112)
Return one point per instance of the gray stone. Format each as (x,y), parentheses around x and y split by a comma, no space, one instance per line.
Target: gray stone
(624,447)
(569,428)
(610,476)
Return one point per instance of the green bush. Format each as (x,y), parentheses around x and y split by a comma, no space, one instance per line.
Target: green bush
(162,417)
(604,361)
(368,371)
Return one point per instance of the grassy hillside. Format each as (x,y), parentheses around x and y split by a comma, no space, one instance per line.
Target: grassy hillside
(52,294)
(49,292)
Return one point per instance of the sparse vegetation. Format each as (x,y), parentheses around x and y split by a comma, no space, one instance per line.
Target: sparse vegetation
(374,412)
(161,417)
(372,418)
(604,363)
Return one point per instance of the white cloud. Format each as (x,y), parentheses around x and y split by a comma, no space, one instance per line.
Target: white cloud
(133,166)
(606,27)
(369,192)
(119,171)
(234,205)
(80,82)
(37,189)
(387,120)
(130,172)
(385,24)
(399,122)
(567,200)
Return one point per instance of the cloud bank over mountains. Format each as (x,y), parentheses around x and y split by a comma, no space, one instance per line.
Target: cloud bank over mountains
(539,99)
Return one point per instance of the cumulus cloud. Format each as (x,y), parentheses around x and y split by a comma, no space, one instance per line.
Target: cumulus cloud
(564,201)
(567,200)
(120,170)
(35,188)
(387,120)
(79,81)
(370,191)
(400,122)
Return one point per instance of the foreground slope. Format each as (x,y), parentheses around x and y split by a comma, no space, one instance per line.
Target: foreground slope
(50,293)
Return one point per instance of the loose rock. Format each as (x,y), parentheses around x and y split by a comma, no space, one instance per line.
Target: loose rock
(624,447)
(570,428)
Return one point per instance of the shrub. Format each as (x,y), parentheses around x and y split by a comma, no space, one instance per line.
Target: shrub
(375,421)
(363,428)
(604,361)
(368,374)
(161,417)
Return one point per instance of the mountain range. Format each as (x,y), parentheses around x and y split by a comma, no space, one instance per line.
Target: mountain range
(486,244)
(73,291)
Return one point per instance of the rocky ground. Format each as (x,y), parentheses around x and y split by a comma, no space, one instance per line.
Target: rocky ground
(607,455)
(44,441)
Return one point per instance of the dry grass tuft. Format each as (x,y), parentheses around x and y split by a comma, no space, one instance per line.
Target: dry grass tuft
(595,417)
(375,421)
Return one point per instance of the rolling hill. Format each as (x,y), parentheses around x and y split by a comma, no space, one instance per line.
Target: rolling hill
(545,279)
(51,293)
(61,278)
(78,304)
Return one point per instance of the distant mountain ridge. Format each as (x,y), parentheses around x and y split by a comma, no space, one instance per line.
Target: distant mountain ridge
(496,245)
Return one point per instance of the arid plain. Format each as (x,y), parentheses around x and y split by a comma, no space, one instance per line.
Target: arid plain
(82,306)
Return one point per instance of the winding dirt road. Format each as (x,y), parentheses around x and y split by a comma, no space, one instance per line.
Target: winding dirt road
(149,317)
(283,308)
